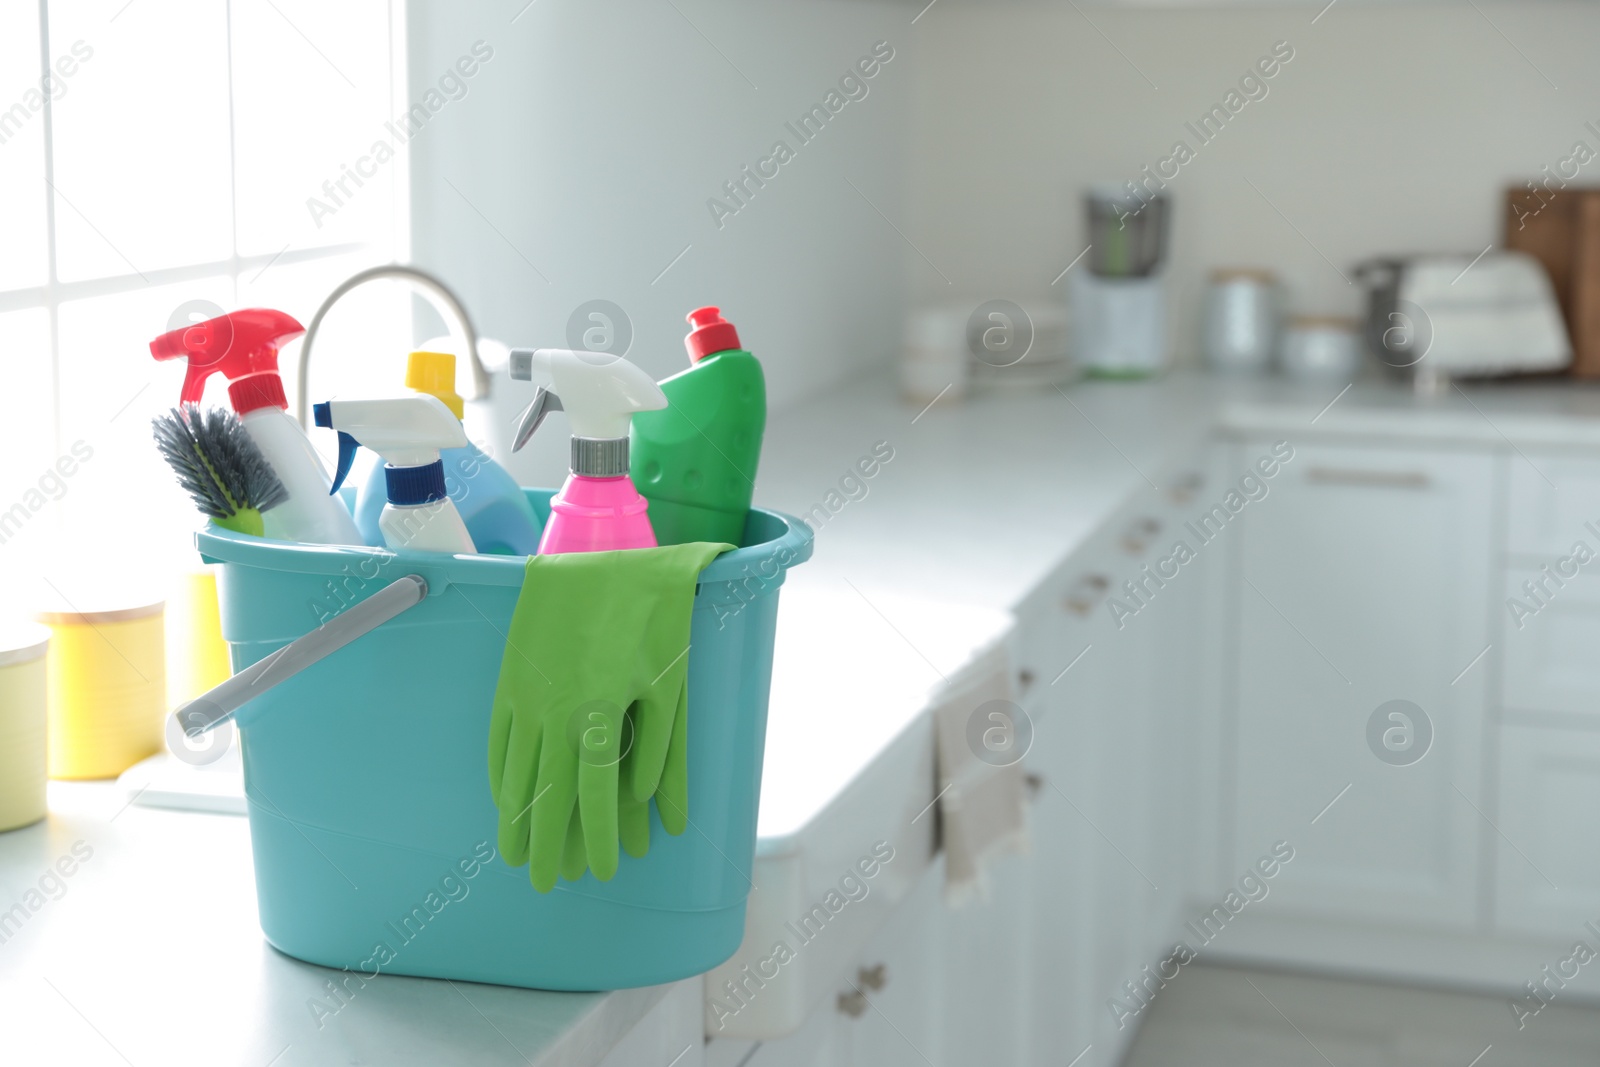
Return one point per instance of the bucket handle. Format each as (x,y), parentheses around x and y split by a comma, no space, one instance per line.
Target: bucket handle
(210,710)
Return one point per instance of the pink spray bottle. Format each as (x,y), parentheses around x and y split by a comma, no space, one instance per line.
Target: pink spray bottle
(598,508)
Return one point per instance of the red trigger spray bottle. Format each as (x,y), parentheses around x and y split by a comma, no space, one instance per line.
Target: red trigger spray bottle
(243,346)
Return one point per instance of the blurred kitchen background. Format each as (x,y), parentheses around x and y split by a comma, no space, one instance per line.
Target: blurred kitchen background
(567,167)
(576,164)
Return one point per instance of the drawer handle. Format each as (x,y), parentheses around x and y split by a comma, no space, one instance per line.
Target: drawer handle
(853,1003)
(1025,679)
(874,977)
(1379,479)
(1139,534)
(1184,487)
(1089,589)
(1034,784)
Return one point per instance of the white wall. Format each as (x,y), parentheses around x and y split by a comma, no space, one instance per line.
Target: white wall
(1391,130)
(594,137)
(588,147)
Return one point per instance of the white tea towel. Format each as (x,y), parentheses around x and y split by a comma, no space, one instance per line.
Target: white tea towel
(982,735)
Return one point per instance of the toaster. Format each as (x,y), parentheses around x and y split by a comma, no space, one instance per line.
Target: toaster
(1455,316)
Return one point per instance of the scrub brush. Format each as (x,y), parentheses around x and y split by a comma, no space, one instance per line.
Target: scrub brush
(221,467)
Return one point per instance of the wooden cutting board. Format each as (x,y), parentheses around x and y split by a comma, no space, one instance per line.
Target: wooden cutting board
(1561,229)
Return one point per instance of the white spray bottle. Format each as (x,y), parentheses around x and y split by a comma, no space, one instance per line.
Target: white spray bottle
(243,347)
(598,509)
(408,433)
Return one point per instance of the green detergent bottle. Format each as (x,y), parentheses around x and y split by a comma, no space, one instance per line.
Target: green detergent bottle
(695,460)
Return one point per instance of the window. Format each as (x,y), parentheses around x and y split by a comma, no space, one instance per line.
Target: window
(161,160)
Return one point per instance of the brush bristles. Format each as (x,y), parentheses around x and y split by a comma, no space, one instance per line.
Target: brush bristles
(215,460)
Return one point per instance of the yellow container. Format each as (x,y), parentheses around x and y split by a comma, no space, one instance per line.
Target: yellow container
(107,688)
(197,656)
(22,724)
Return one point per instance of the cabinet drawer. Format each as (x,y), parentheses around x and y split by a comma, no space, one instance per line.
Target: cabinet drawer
(1544,522)
(1550,815)
(1549,648)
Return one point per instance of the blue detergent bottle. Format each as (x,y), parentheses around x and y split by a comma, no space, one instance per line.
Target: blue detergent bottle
(494,507)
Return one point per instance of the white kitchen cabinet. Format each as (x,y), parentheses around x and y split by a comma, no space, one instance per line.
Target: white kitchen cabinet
(1549,654)
(1208,816)
(1549,797)
(1097,797)
(1107,880)
(1554,497)
(1182,722)
(1113,795)
(1120,722)
(934,986)
(887,1009)
(1172,751)
(891,1003)
(984,1009)
(1363,578)
(1060,870)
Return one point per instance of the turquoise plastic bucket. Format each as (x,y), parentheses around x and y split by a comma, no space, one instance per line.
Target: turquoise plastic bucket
(366,775)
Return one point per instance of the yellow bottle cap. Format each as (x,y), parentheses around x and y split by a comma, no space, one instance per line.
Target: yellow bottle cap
(434,373)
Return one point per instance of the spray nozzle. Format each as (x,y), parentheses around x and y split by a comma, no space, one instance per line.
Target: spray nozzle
(407,432)
(542,404)
(598,391)
(243,346)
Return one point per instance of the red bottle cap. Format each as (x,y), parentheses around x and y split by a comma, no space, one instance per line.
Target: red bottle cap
(711,334)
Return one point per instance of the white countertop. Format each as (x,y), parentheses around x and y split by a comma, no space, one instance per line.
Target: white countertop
(986,495)
(149,952)
(1535,414)
(918,573)
(152,953)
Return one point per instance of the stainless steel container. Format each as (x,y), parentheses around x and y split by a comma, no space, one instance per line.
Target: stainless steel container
(1240,328)
(1321,348)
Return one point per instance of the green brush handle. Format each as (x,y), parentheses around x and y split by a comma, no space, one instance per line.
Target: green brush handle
(245,521)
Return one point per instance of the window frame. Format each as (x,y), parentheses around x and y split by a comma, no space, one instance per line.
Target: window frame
(53,292)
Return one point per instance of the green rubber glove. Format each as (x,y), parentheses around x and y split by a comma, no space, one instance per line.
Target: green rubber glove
(585,723)
(574,861)
(672,795)
(633,816)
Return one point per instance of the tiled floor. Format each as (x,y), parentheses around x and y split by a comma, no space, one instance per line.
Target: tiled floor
(1222,1017)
